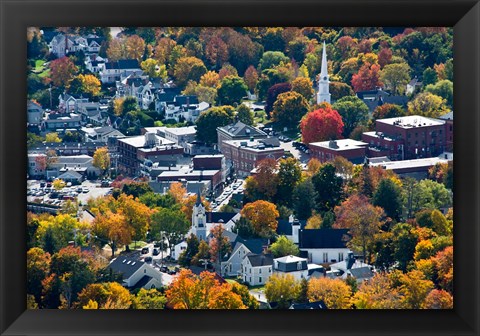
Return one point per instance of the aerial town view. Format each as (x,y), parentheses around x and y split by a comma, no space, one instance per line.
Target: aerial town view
(240,168)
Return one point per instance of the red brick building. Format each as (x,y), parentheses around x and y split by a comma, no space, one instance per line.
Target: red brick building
(406,138)
(244,155)
(132,151)
(352,150)
(448,118)
(238,131)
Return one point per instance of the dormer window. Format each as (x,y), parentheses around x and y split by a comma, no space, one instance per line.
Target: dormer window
(299,265)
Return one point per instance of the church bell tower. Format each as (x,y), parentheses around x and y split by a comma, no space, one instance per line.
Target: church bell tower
(323,94)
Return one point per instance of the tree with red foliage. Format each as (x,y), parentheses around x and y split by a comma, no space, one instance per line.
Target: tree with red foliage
(273,93)
(320,125)
(367,78)
(62,71)
(384,56)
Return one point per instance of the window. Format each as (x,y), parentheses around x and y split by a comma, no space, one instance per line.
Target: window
(260,279)
(145,271)
(260,270)
(340,256)
(250,279)
(299,265)
(325,257)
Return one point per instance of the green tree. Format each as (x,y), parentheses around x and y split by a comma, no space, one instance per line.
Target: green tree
(289,108)
(328,187)
(245,114)
(284,247)
(389,197)
(353,111)
(38,267)
(289,174)
(149,299)
(303,199)
(396,76)
(404,243)
(173,224)
(244,228)
(444,89)
(304,86)
(272,58)
(208,122)
(429,76)
(231,91)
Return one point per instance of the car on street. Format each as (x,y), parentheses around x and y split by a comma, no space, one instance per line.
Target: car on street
(155,252)
(145,250)
(148,259)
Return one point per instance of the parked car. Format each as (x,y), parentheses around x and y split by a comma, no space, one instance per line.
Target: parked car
(172,272)
(164,269)
(145,250)
(42,184)
(155,252)
(148,259)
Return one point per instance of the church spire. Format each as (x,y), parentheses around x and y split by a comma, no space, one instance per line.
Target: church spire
(199,199)
(323,94)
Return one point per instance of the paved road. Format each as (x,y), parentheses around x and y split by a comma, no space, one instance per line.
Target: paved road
(299,155)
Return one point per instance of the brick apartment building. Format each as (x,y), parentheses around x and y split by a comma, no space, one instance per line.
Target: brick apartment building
(244,155)
(448,118)
(132,152)
(238,131)
(406,138)
(352,150)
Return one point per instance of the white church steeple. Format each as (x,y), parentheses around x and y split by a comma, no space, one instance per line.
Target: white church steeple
(323,94)
(199,219)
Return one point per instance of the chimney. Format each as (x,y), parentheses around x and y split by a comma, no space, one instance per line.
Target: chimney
(350,260)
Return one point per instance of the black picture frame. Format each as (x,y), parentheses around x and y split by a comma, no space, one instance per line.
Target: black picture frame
(16,16)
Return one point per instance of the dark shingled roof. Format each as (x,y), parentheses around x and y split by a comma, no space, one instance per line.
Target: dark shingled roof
(123,64)
(182,100)
(260,259)
(361,272)
(239,129)
(215,217)
(310,305)
(323,238)
(284,227)
(255,245)
(125,266)
(142,282)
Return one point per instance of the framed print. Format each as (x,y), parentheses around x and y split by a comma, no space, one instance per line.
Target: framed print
(209,167)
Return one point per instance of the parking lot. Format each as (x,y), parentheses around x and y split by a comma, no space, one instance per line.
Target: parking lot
(48,195)
(296,152)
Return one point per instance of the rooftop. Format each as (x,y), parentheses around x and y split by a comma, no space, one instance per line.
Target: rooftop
(411,121)
(239,129)
(416,163)
(260,259)
(189,130)
(257,145)
(290,259)
(125,266)
(141,142)
(340,145)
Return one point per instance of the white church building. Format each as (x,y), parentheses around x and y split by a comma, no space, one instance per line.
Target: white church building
(323,93)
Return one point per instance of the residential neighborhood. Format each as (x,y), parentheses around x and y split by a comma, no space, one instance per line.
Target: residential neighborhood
(240,168)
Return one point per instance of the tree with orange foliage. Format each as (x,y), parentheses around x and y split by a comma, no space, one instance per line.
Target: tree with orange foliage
(367,78)
(251,78)
(438,299)
(266,178)
(443,262)
(109,295)
(321,125)
(378,293)
(263,216)
(112,229)
(136,214)
(189,291)
(178,191)
(361,218)
(188,203)
(334,292)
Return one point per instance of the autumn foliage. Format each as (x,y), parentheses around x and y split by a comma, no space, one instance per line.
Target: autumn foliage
(263,216)
(321,125)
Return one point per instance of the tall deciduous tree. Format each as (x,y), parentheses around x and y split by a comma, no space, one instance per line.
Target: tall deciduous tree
(444,89)
(282,289)
(251,78)
(378,293)
(263,216)
(208,122)
(353,111)
(289,108)
(367,78)
(289,174)
(303,199)
(334,292)
(245,114)
(396,76)
(388,111)
(428,105)
(171,223)
(112,229)
(101,159)
(109,295)
(321,125)
(304,86)
(188,68)
(219,243)
(62,71)
(328,187)
(362,219)
(231,90)
(389,197)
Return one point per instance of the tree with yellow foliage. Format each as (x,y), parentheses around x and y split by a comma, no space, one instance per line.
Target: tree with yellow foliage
(334,292)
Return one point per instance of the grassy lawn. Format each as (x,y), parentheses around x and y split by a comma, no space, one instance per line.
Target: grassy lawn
(40,69)
(139,245)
